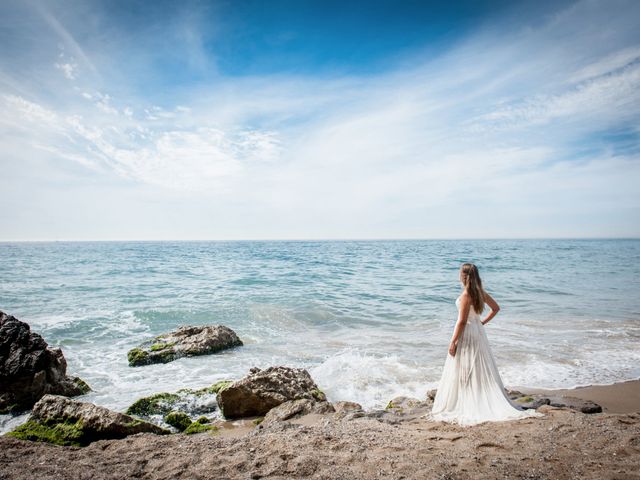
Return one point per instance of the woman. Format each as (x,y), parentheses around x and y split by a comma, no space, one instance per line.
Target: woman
(470,390)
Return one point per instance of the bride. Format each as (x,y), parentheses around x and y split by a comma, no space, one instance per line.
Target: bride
(470,390)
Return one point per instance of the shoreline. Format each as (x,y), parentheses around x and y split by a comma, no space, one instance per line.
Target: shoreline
(563,444)
(617,397)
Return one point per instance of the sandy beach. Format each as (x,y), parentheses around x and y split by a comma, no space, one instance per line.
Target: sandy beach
(564,444)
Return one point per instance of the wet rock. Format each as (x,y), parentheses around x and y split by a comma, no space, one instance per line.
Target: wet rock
(30,369)
(191,402)
(186,341)
(296,408)
(262,390)
(534,400)
(62,421)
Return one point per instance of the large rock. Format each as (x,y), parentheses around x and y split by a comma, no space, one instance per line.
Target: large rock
(184,342)
(60,420)
(262,390)
(30,369)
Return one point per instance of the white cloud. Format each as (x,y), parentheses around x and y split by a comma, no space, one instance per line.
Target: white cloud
(69,69)
(500,123)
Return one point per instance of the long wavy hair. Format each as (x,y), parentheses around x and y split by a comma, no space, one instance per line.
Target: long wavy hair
(473,285)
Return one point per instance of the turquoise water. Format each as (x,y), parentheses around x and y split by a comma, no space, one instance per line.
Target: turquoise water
(369,319)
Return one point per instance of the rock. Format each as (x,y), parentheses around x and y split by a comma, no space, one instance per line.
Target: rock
(431,395)
(344,407)
(296,408)
(403,403)
(60,420)
(30,369)
(584,406)
(534,401)
(178,420)
(528,402)
(184,342)
(191,402)
(262,390)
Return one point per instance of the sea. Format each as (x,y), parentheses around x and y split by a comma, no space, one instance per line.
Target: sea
(369,319)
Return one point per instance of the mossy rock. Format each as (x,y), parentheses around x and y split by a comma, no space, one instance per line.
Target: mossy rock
(158,404)
(82,385)
(203,420)
(525,399)
(156,347)
(62,433)
(179,420)
(137,356)
(390,405)
(186,341)
(318,395)
(258,421)
(197,427)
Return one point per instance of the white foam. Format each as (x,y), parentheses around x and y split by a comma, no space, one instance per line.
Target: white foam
(371,380)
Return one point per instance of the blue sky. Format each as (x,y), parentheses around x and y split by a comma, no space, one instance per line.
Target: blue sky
(289,119)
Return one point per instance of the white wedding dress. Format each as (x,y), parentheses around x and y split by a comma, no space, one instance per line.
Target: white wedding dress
(470,390)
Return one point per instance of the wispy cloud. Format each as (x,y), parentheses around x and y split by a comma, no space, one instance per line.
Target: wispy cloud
(506,133)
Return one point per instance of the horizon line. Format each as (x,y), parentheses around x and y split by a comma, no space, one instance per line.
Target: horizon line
(372,239)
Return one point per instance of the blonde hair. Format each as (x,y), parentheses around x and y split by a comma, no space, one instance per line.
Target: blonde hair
(473,285)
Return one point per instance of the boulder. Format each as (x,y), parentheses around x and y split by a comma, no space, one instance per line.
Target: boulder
(296,408)
(262,390)
(186,341)
(30,369)
(60,420)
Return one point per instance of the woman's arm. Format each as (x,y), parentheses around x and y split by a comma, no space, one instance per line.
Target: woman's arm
(463,316)
(495,308)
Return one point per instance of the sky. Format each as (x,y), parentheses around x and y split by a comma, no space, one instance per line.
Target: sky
(221,120)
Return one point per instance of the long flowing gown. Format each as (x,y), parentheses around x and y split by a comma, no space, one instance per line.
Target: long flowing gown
(471,390)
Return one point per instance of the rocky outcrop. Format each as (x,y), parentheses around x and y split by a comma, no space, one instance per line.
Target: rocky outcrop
(184,342)
(30,369)
(60,420)
(262,390)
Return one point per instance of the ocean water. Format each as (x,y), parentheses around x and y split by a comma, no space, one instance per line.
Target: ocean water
(370,320)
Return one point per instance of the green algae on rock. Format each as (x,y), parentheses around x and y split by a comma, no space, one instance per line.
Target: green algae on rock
(156,404)
(197,427)
(178,420)
(186,341)
(187,401)
(61,421)
(63,433)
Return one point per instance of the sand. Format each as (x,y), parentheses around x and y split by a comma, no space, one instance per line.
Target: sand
(620,397)
(564,444)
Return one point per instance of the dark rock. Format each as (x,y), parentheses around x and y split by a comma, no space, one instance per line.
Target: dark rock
(30,369)
(184,342)
(535,400)
(60,420)
(262,390)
